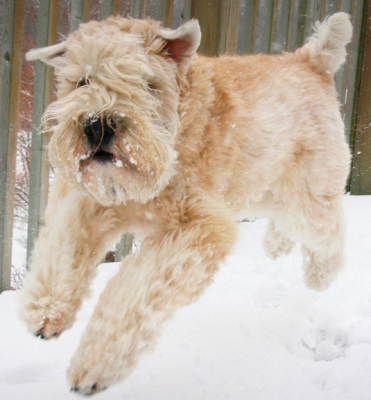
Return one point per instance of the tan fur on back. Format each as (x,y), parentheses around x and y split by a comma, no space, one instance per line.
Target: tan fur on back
(151,139)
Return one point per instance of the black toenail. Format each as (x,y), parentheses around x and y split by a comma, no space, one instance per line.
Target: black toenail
(54,334)
(94,387)
(42,336)
(74,389)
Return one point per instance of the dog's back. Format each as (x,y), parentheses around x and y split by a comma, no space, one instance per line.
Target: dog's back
(282,114)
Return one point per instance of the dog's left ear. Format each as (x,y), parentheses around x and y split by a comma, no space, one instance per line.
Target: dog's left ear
(183,42)
(47,55)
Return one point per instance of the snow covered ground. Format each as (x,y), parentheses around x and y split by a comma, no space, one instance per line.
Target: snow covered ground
(257,334)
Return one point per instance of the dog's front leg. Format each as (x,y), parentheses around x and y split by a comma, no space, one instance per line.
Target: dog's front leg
(73,240)
(150,286)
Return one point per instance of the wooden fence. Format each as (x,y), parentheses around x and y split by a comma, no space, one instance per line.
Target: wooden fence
(228,26)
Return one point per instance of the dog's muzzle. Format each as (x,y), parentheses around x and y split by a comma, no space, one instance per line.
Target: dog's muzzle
(100,133)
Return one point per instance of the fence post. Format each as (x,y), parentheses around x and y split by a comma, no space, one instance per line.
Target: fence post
(219,20)
(139,8)
(11,54)
(39,173)
(360,182)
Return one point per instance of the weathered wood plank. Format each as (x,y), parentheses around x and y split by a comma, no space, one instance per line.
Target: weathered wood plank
(248,24)
(160,8)
(361,168)
(107,8)
(139,8)
(116,7)
(265,16)
(77,14)
(313,15)
(301,23)
(186,10)
(87,10)
(11,54)
(229,24)
(281,32)
(169,13)
(209,15)
(39,174)
(342,76)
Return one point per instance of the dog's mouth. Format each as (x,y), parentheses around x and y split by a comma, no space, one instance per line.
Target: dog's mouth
(102,156)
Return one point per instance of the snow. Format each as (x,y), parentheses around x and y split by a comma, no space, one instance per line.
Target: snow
(258,333)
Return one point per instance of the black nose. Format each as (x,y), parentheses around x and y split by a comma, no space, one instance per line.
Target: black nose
(100,132)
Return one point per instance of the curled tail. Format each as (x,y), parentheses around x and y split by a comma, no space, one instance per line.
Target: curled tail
(326,47)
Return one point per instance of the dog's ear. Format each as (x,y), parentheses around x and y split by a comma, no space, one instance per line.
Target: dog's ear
(47,55)
(183,42)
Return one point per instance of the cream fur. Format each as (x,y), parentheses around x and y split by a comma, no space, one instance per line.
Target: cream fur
(198,143)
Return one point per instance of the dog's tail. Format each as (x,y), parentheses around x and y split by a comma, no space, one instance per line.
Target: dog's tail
(326,47)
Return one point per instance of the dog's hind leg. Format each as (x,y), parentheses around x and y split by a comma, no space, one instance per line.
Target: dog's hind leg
(323,252)
(317,222)
(72,242)
(275,243)
(151,285)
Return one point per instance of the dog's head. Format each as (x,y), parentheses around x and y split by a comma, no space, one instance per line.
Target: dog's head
(115,119)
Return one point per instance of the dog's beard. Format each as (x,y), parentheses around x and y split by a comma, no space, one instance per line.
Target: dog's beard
(136,166)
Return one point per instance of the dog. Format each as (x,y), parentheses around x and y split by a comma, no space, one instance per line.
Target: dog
(150,138)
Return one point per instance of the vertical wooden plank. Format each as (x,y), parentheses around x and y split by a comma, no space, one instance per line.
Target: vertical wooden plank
(186,10)
(301,24)
(331,7)
(116,7)
(177,8)
(136,8)
(248,25)
(282,26)
(229,24)
(139,8)
(77,14)
(341,78)
(107,8)
(293,17)
(209,16)
(39,174)
(313,15)
(160,7)
(361,168)
(169,13)
(80,12)
(263,40)
(274,26)
(352,87)
(145,13)
(219,21)
(87,10)
(10,76)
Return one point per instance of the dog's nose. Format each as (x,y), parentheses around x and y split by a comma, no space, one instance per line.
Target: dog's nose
(100,131)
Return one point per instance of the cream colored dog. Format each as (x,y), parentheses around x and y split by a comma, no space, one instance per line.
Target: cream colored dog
(151,139)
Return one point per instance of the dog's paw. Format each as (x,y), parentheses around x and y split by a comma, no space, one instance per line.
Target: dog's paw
(47,319)
(275,244)
(92,371)
(88,390)
(105,357)
(318,275)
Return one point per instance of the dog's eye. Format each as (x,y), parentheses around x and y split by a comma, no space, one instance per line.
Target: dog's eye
(83,82)
(151,86)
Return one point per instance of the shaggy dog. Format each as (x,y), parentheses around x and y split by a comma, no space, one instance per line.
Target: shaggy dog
(149,138)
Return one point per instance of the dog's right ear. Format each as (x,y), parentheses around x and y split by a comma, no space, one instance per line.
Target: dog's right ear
(48,54)
(183,42)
